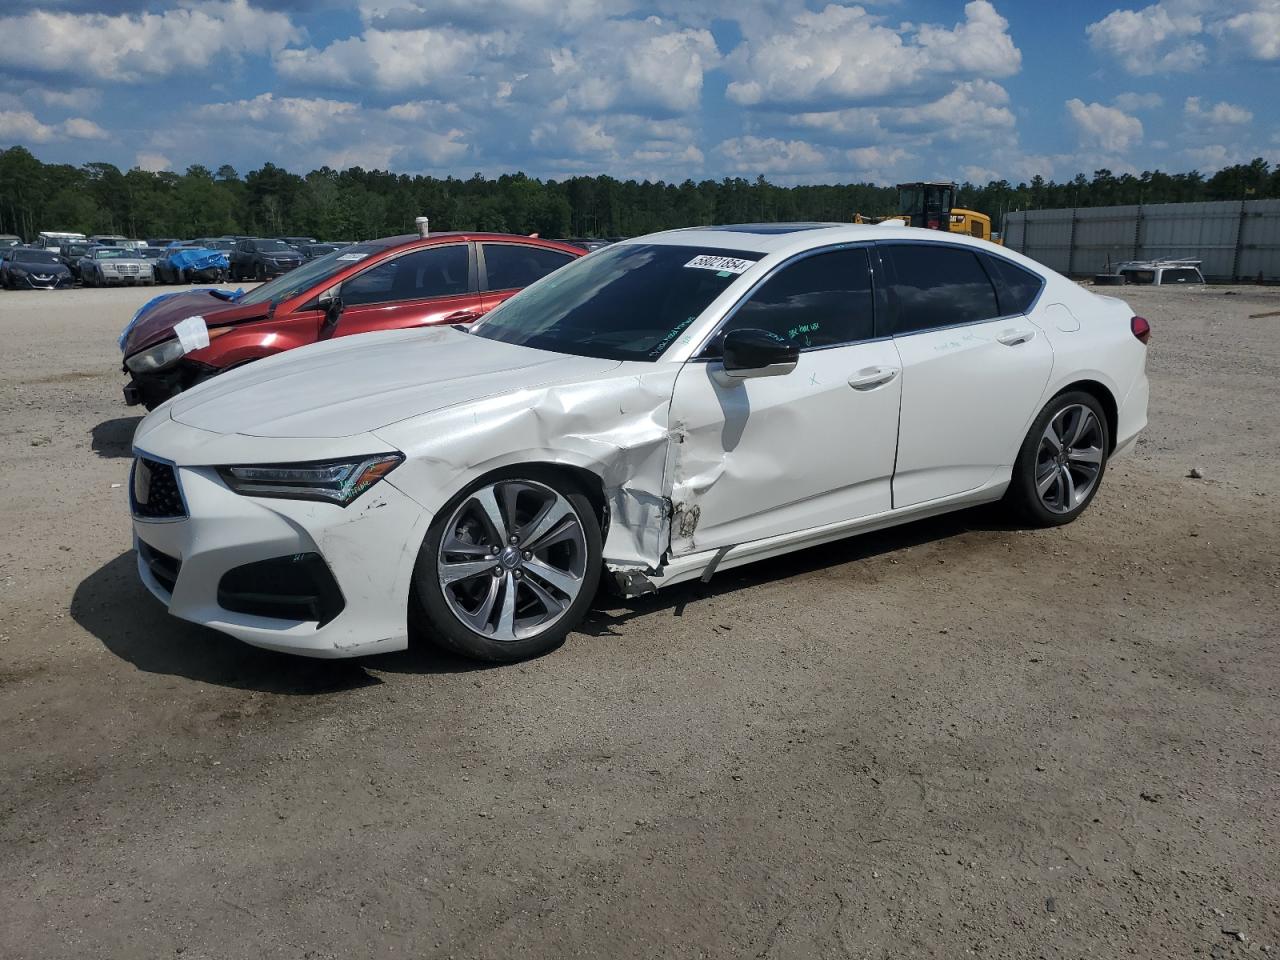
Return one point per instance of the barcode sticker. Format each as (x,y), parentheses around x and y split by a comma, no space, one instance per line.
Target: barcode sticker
(721,264)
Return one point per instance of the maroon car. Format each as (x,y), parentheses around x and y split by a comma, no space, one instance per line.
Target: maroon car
(387,284)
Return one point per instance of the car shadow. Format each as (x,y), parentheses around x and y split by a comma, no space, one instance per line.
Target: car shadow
(610,612)
(114,438)
(113,605)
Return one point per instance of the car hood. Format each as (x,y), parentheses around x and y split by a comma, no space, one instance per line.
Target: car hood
(357,384)
(154,321)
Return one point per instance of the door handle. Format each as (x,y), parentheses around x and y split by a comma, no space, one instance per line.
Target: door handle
(1011,338)
(872,377)
(462,316)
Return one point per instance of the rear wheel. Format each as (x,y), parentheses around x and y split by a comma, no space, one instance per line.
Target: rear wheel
(1061,462)
(509,567)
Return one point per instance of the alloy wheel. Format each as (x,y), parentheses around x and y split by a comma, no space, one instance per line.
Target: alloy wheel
(1069,459)
(512,559)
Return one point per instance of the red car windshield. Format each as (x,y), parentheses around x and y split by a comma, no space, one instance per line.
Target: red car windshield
(310,274)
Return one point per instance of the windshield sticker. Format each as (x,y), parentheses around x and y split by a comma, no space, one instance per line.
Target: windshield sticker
(722,265)
(353,256)
(192,334)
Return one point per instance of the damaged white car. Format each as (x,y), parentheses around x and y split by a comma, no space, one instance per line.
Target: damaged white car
(664,407)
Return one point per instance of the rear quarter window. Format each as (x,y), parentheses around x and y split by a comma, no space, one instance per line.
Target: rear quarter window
(1016,286)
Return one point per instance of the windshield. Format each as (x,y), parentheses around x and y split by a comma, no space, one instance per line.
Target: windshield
(308,275)
(627,302)
(113,253)
(273,246)
(34,256)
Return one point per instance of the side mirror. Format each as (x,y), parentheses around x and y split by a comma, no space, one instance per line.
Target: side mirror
(331,302)
(757,353)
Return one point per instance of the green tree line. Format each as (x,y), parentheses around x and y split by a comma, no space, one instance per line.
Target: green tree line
(357,204)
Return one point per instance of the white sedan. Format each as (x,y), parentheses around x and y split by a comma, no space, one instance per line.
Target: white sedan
(660,409)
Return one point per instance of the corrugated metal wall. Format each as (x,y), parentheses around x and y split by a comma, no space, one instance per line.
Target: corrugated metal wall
(1235,240)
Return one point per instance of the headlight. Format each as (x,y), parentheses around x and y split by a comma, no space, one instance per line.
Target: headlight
(162,355)
(333,481)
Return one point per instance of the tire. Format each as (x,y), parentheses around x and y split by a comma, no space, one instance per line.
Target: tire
(553,585)
(1062,461)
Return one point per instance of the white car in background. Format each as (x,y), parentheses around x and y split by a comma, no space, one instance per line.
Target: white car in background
(660,409)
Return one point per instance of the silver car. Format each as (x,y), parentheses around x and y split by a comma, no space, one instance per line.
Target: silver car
(109,266)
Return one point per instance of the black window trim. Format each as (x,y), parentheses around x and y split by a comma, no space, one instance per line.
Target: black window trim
(877,298)
(483,268)
(997,285)
(472,288)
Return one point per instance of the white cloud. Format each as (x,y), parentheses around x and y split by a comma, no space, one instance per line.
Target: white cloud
(1212,158)
(752,155)
(1255,32)
(78,128)
(296,118)
(1172,36)
(1155,39)
(1218,115)
(154,162)
(393,60)
(74,98)
(846,55)
(131,47)
(1137,101)
(1103,127)
(22,126)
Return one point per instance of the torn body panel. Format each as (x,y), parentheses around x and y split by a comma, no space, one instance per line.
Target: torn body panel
(614,425)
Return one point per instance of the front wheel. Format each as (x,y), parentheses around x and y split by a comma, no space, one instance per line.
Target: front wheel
(1061,462)
(509,567)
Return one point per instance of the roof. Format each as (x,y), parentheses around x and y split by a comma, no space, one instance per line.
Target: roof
(788,238)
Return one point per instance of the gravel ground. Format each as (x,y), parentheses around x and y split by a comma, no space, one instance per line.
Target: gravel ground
(955,738)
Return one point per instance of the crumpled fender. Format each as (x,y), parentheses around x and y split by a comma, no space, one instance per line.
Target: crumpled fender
(615,426)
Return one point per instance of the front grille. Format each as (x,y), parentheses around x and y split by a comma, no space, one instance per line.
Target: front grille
(162,566)
(155,492)
(127,269)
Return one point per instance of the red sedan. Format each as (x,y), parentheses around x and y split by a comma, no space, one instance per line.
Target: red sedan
(177,340)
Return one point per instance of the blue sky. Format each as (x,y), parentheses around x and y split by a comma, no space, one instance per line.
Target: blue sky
(799,91)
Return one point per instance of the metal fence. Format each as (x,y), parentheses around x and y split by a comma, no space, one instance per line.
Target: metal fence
(1235,239)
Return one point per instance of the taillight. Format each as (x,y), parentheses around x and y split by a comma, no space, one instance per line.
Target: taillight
(1141,329)
(933,225)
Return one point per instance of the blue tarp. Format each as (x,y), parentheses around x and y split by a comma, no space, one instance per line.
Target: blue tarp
(198,258)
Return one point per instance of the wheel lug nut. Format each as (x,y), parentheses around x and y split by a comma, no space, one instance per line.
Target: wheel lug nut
(528,554)
(515,539)
(518,574)
(497,571)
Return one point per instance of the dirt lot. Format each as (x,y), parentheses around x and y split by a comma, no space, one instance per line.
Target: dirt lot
(952,739)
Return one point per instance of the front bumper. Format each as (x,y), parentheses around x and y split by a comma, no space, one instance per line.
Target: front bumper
(185,562)
(153,389)
(128,280)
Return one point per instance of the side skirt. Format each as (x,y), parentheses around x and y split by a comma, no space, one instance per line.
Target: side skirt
(695,565)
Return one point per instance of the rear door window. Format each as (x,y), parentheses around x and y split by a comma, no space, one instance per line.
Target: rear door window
(1181,275)
(511,266)
(820,301)
(423,274)
(934,285)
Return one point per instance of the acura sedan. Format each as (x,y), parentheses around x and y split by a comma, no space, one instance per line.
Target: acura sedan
(661,409)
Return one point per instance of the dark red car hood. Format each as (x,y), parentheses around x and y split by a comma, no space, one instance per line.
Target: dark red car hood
(154,322)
